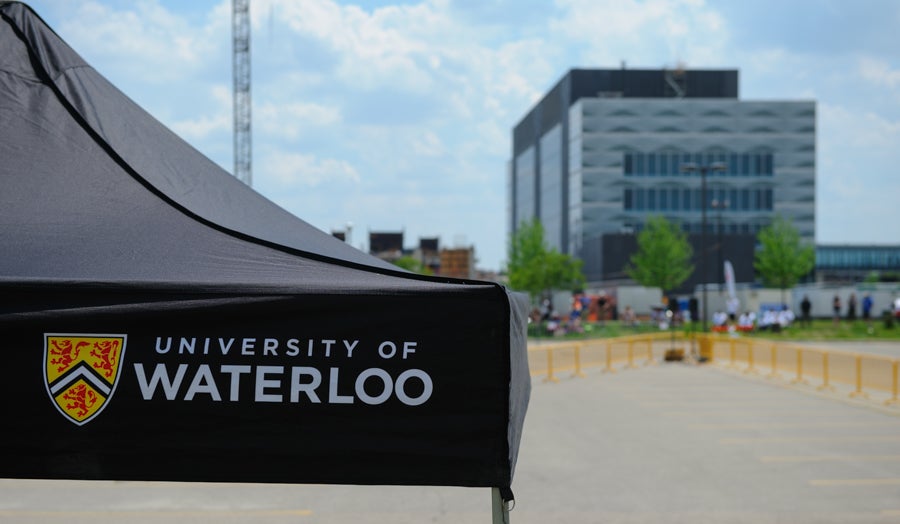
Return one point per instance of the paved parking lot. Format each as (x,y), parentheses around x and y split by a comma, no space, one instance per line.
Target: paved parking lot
(663,444)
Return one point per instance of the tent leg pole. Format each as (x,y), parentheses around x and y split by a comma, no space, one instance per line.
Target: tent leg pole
(499,509)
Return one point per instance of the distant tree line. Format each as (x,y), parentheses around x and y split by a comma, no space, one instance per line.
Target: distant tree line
(662,260)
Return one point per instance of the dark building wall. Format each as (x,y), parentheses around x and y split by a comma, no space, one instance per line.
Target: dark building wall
(618,248)
(384,242)
(624,83)
(429,244)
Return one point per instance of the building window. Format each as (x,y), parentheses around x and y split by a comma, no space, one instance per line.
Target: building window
(733,164)
(664,199)
(651,199)
(627,199)
(676,200)
(628,164)
(639,199)
(685,159)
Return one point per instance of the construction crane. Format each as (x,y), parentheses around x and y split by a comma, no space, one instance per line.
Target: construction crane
(240,37)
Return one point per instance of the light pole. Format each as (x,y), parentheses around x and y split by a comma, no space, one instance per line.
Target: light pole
(703,169)
(719,205)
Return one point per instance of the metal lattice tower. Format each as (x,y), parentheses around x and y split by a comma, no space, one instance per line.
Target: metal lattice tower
(240,30)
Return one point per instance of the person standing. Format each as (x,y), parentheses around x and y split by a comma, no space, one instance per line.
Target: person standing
(805,310)
(851,307)
(867,306)
(732,305)
(836,306)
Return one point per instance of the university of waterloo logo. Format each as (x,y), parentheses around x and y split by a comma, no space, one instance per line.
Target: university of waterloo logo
(81,372)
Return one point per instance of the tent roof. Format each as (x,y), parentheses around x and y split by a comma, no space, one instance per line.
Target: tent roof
(109,223)
(94,190)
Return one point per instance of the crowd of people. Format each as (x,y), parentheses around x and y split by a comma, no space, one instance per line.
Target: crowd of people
(769,319)
(867,304)
(585,309)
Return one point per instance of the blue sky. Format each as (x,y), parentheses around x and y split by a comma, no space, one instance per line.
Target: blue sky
(397,115)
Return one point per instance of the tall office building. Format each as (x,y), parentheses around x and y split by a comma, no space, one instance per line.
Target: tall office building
(605,149)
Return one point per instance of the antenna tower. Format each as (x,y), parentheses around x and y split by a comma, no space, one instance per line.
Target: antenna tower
(240,40)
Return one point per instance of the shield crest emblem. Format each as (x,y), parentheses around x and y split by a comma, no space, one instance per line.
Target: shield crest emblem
(81,372)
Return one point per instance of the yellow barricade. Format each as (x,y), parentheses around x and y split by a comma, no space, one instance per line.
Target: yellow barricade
(552,359)
(857,374)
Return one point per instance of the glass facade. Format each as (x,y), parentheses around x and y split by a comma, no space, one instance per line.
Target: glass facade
(875,258)
(625,156)
(669,164)
(678,199)
(551,212)
(576,179)
(524,187)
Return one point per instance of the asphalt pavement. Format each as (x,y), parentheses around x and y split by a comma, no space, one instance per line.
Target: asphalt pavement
(670,443)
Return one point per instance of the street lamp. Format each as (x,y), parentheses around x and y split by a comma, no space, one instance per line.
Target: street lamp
(719,205)
(703,169)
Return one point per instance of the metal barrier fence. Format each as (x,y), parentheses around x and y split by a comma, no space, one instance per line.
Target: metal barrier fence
(550,358)
(860,375)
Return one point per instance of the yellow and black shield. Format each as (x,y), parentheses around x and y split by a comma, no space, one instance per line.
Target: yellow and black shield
(81,372)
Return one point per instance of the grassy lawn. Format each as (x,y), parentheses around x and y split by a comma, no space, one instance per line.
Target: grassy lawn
(875,329)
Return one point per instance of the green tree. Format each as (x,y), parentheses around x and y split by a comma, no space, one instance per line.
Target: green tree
(663,256)
(782,259)
(535,268)
(412,264)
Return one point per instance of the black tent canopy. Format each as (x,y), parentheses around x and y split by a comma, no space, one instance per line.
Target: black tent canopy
(162,321)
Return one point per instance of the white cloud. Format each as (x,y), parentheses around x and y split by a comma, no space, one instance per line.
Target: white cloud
(384,47)
(844,129)
(148,41)
(290,121)
(879,72)
(428,144)
(654,33)
(200,127)
(416,101)
(293,169)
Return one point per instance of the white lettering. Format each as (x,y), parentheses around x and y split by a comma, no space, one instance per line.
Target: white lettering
(391,346)
(225,347)
(206,346)
(168,345)
(160,375)
(426,392)
(350,347)
(328,344)
(187,345)
(235,372)
(333,397)
(269,347)
(372,386)
(203,383)
(262,383)
(293,348)
(387,388)
(248,347)
(310,388)
(408,347)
